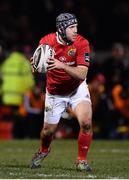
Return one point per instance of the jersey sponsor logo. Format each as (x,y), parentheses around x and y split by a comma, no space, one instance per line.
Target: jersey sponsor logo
(87,57)
(72,52)
(62,59)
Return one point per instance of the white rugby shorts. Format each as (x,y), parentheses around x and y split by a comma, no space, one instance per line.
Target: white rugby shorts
(55,105)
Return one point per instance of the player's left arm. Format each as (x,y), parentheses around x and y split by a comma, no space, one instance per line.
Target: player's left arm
(79,72)
(82,59)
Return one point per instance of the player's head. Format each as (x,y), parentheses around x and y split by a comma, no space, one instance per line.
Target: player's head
(63,21)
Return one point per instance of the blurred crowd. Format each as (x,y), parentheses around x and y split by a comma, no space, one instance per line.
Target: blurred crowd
(109,86)
(22,93)
(103,22)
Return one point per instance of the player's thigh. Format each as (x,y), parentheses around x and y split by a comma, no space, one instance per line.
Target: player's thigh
(81,103)
(83,112)
(82,94)
(54,107)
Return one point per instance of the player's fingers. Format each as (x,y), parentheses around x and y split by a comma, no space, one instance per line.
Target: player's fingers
(32,63)
(50,66)
(51,58)
(32,69)
(31,60)
(50,61)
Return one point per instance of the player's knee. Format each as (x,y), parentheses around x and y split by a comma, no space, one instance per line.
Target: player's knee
(47,132)
(86,127)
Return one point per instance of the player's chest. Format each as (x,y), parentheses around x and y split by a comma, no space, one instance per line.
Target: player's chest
(66,54)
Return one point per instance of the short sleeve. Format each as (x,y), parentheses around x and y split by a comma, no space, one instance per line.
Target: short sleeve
(83,53)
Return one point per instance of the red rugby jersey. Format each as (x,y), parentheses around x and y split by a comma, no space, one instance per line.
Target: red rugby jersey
(58,81)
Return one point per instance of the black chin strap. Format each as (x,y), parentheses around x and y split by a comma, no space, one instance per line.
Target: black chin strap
(68,42)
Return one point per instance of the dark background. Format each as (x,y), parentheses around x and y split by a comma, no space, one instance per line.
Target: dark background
(102,22)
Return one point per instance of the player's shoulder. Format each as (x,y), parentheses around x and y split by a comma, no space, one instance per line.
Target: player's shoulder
(81,40)
(48,39)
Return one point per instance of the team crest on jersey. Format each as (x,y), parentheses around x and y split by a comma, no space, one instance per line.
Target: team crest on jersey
(86,57)
(72,52)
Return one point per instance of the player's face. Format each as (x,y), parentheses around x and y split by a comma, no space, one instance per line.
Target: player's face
(71,32)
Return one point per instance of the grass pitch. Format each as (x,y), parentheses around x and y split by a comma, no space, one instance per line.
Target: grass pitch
(109,159)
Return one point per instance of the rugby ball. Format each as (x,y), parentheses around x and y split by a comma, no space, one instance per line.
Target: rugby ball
(40,57)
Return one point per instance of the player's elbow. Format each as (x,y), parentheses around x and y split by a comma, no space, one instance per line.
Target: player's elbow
(82,72)
(83,77)
(80,77)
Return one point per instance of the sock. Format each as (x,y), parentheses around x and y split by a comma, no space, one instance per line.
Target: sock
(84,141)
(45,143)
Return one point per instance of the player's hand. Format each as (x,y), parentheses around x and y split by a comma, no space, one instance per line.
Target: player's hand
(54,64)
(32,64)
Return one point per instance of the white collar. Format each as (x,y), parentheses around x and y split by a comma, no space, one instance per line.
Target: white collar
(58,40)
